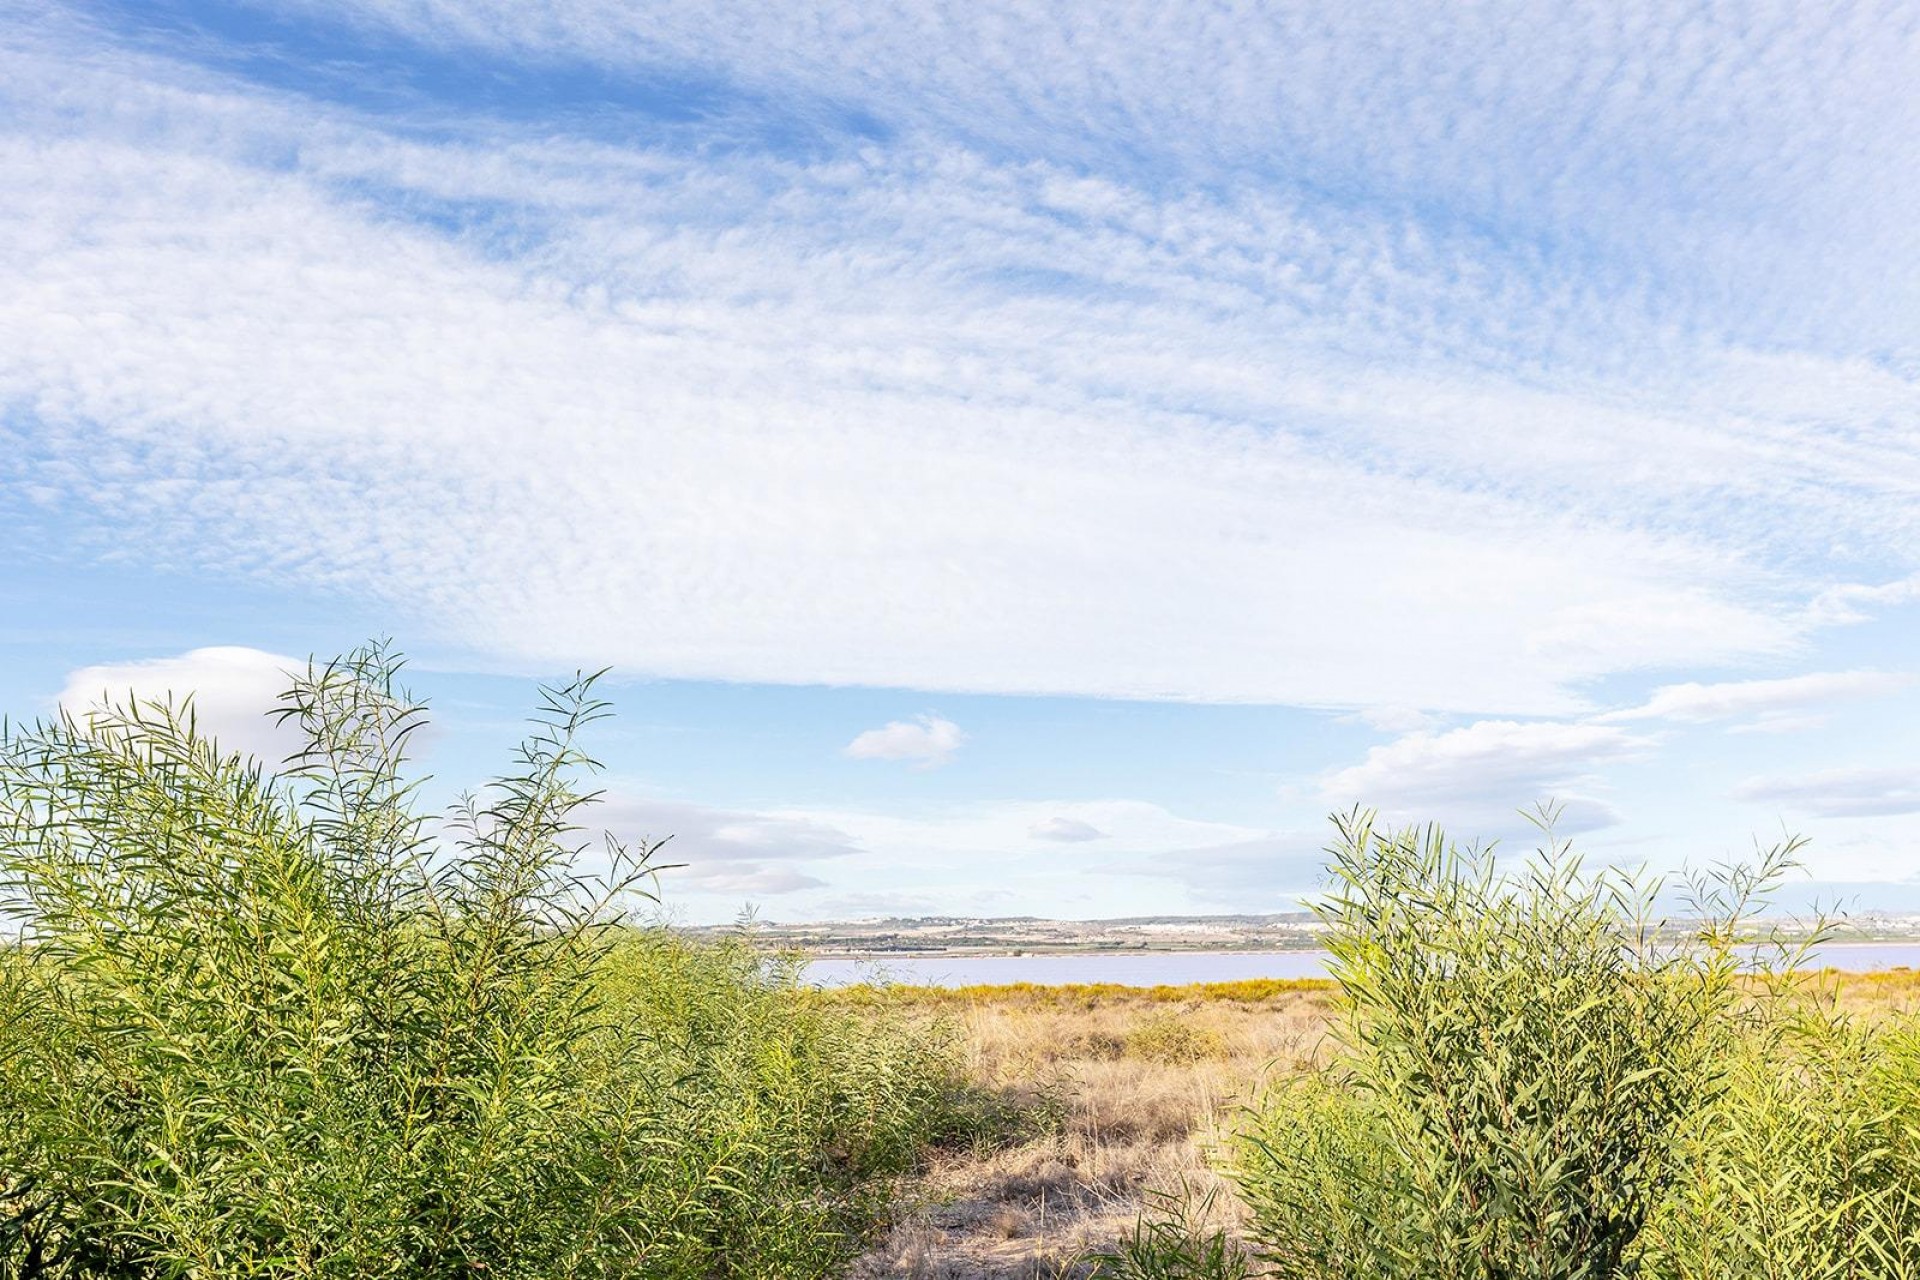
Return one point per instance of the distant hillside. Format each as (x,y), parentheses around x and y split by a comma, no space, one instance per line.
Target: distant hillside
(1032,935)
(960,935)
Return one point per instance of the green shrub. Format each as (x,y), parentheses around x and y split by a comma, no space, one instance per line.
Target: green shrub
(1809,1166)
(1169,1242)
(1524,1055)
(1316,1166)
(283,1025)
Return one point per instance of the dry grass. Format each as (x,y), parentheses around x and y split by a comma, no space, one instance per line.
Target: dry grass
(1891,991)
(1145,1082)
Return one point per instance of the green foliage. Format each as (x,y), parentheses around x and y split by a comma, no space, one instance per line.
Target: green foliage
(1167,1243)
(1809,1168)
(273,1025)
(1525,1054)
(1316,1166)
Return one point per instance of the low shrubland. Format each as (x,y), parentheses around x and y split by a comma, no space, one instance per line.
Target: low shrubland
(262,1023)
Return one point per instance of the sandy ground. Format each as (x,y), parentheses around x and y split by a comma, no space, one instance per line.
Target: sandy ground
(1144,1090)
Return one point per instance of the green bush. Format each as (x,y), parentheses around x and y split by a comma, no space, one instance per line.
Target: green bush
(1170,1242)
(1316,1166)
(1524,1057)
(1809,1166)
(258,1024)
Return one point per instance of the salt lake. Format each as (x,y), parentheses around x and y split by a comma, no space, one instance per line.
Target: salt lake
(1177,968)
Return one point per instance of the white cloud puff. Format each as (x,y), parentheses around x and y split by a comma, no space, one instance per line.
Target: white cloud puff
(1485,772)
(234,690)
(928,741)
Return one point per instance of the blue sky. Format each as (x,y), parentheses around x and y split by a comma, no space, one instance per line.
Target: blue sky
(1015,457)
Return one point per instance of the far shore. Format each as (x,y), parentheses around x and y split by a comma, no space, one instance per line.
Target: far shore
(1034,953)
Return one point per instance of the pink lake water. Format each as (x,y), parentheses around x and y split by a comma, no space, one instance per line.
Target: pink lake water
(1178,968)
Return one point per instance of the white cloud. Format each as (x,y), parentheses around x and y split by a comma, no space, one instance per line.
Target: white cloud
(1485,772)
(969,859)
(1003,832)
(949,410)
(1882,848)
(1853,602)
(1781,722)
(984,856)
(750,880)
(877,906)
(234,691)
(1030,356)
(1272,872)
(1862,791)
(1065,830)
(1395,720)
(1774,705)
(724,852)
(1668,141)
(929,741)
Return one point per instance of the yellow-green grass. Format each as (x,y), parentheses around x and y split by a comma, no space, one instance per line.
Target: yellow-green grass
(1249,991)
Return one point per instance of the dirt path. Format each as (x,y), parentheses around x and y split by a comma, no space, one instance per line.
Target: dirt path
(1146,1092)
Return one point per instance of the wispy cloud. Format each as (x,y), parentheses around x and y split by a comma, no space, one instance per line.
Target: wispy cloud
(955,395)
(928,741)
(1857,792)
(1852,602)
(1392,719)
(725,852)
(1763,704)
(1652,147)
(1273,872)
(840,861)
(1065,830)
(1003,832)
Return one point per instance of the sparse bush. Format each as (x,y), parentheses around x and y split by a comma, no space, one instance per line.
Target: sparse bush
(1173,1039)
(1169,1241)
(281,1025)
(1098,1045)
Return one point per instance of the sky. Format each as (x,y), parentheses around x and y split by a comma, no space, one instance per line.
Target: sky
(1014,456)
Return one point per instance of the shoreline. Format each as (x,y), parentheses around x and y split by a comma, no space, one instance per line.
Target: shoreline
(1090,953)
(969,953)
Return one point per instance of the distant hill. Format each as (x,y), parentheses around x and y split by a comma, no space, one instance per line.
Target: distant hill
(981,935)
(1034,935)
